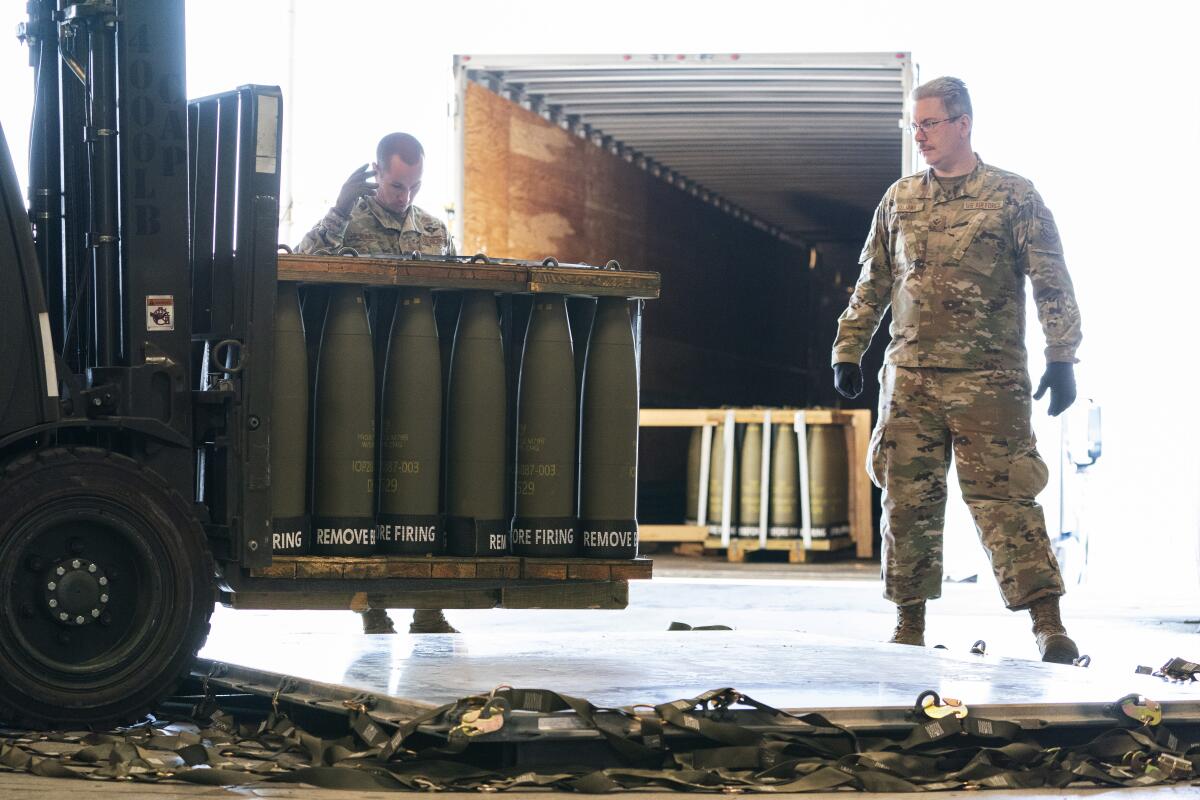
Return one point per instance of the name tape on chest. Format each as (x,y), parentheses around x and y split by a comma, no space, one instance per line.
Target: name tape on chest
(983,205)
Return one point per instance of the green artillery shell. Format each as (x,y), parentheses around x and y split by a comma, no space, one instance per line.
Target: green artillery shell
(750,487)
(716,479)
(545,523)
(785,483)
(410,447)
(289,427)
(580,313)
(692,496)
(828,479)
(609,436)
(344,496)
(476,523)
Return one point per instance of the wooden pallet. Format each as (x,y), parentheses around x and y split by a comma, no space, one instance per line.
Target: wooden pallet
(672,533)
(330,583)
(797,553)
(451,568)
(857,425)
(495,275)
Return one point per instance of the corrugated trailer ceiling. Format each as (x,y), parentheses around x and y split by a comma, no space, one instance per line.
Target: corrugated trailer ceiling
(802,145)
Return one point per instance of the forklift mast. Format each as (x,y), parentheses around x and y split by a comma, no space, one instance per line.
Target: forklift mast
(108,191)
(134,293)
(149,350)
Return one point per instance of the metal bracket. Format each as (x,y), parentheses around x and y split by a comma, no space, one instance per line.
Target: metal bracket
(1137,708)
(932,705)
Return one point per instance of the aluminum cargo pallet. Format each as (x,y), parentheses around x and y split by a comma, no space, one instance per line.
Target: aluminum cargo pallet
(859,685)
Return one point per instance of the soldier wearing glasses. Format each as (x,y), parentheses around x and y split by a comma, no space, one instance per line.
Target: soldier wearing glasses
(949,250)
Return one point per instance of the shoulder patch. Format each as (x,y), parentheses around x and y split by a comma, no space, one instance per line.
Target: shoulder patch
(1046,236)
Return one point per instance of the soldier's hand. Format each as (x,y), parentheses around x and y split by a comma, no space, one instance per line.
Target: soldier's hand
(356,186)
(1059,378)
(848,379)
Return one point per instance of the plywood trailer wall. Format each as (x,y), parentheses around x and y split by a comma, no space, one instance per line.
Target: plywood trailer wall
(732,326)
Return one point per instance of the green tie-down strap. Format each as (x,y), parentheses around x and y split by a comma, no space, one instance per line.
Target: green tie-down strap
(696,744)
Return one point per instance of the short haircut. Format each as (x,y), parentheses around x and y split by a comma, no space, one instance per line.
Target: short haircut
(953,93)
(399,144)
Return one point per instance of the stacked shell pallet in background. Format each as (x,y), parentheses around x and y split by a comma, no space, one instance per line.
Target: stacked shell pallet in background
(796,481)
(504,394)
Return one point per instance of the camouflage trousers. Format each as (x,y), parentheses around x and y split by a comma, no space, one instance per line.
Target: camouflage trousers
(982,417)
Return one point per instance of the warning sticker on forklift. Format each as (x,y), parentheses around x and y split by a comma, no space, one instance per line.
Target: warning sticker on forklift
(160,312)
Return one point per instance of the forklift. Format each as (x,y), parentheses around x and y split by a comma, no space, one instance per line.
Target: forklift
(138,290)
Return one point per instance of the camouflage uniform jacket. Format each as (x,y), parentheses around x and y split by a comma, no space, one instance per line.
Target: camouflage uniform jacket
(952,265)
(373,230)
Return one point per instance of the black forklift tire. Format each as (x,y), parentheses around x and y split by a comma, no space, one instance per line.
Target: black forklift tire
(106,589)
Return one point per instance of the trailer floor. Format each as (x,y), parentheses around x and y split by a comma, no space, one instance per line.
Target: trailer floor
(805,636)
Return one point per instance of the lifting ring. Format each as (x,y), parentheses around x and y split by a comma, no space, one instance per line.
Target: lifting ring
(226,345)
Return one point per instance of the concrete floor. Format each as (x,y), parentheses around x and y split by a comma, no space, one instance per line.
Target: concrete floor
(1119,626)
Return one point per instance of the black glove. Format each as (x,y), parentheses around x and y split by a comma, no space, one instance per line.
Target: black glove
(356,186)
(1059,378)
(847,379)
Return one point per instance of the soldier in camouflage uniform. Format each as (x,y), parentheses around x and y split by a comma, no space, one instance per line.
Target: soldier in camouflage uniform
(949,250)
(380,219)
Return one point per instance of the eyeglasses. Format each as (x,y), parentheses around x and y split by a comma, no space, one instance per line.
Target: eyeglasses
(930,124)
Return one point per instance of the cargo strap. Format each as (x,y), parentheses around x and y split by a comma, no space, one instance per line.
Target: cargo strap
(1177,669)
(695,744)
(939,719)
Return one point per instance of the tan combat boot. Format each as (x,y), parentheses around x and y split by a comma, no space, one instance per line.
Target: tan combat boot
(1052,638)
(910,625)
(430,620)
(376,620)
